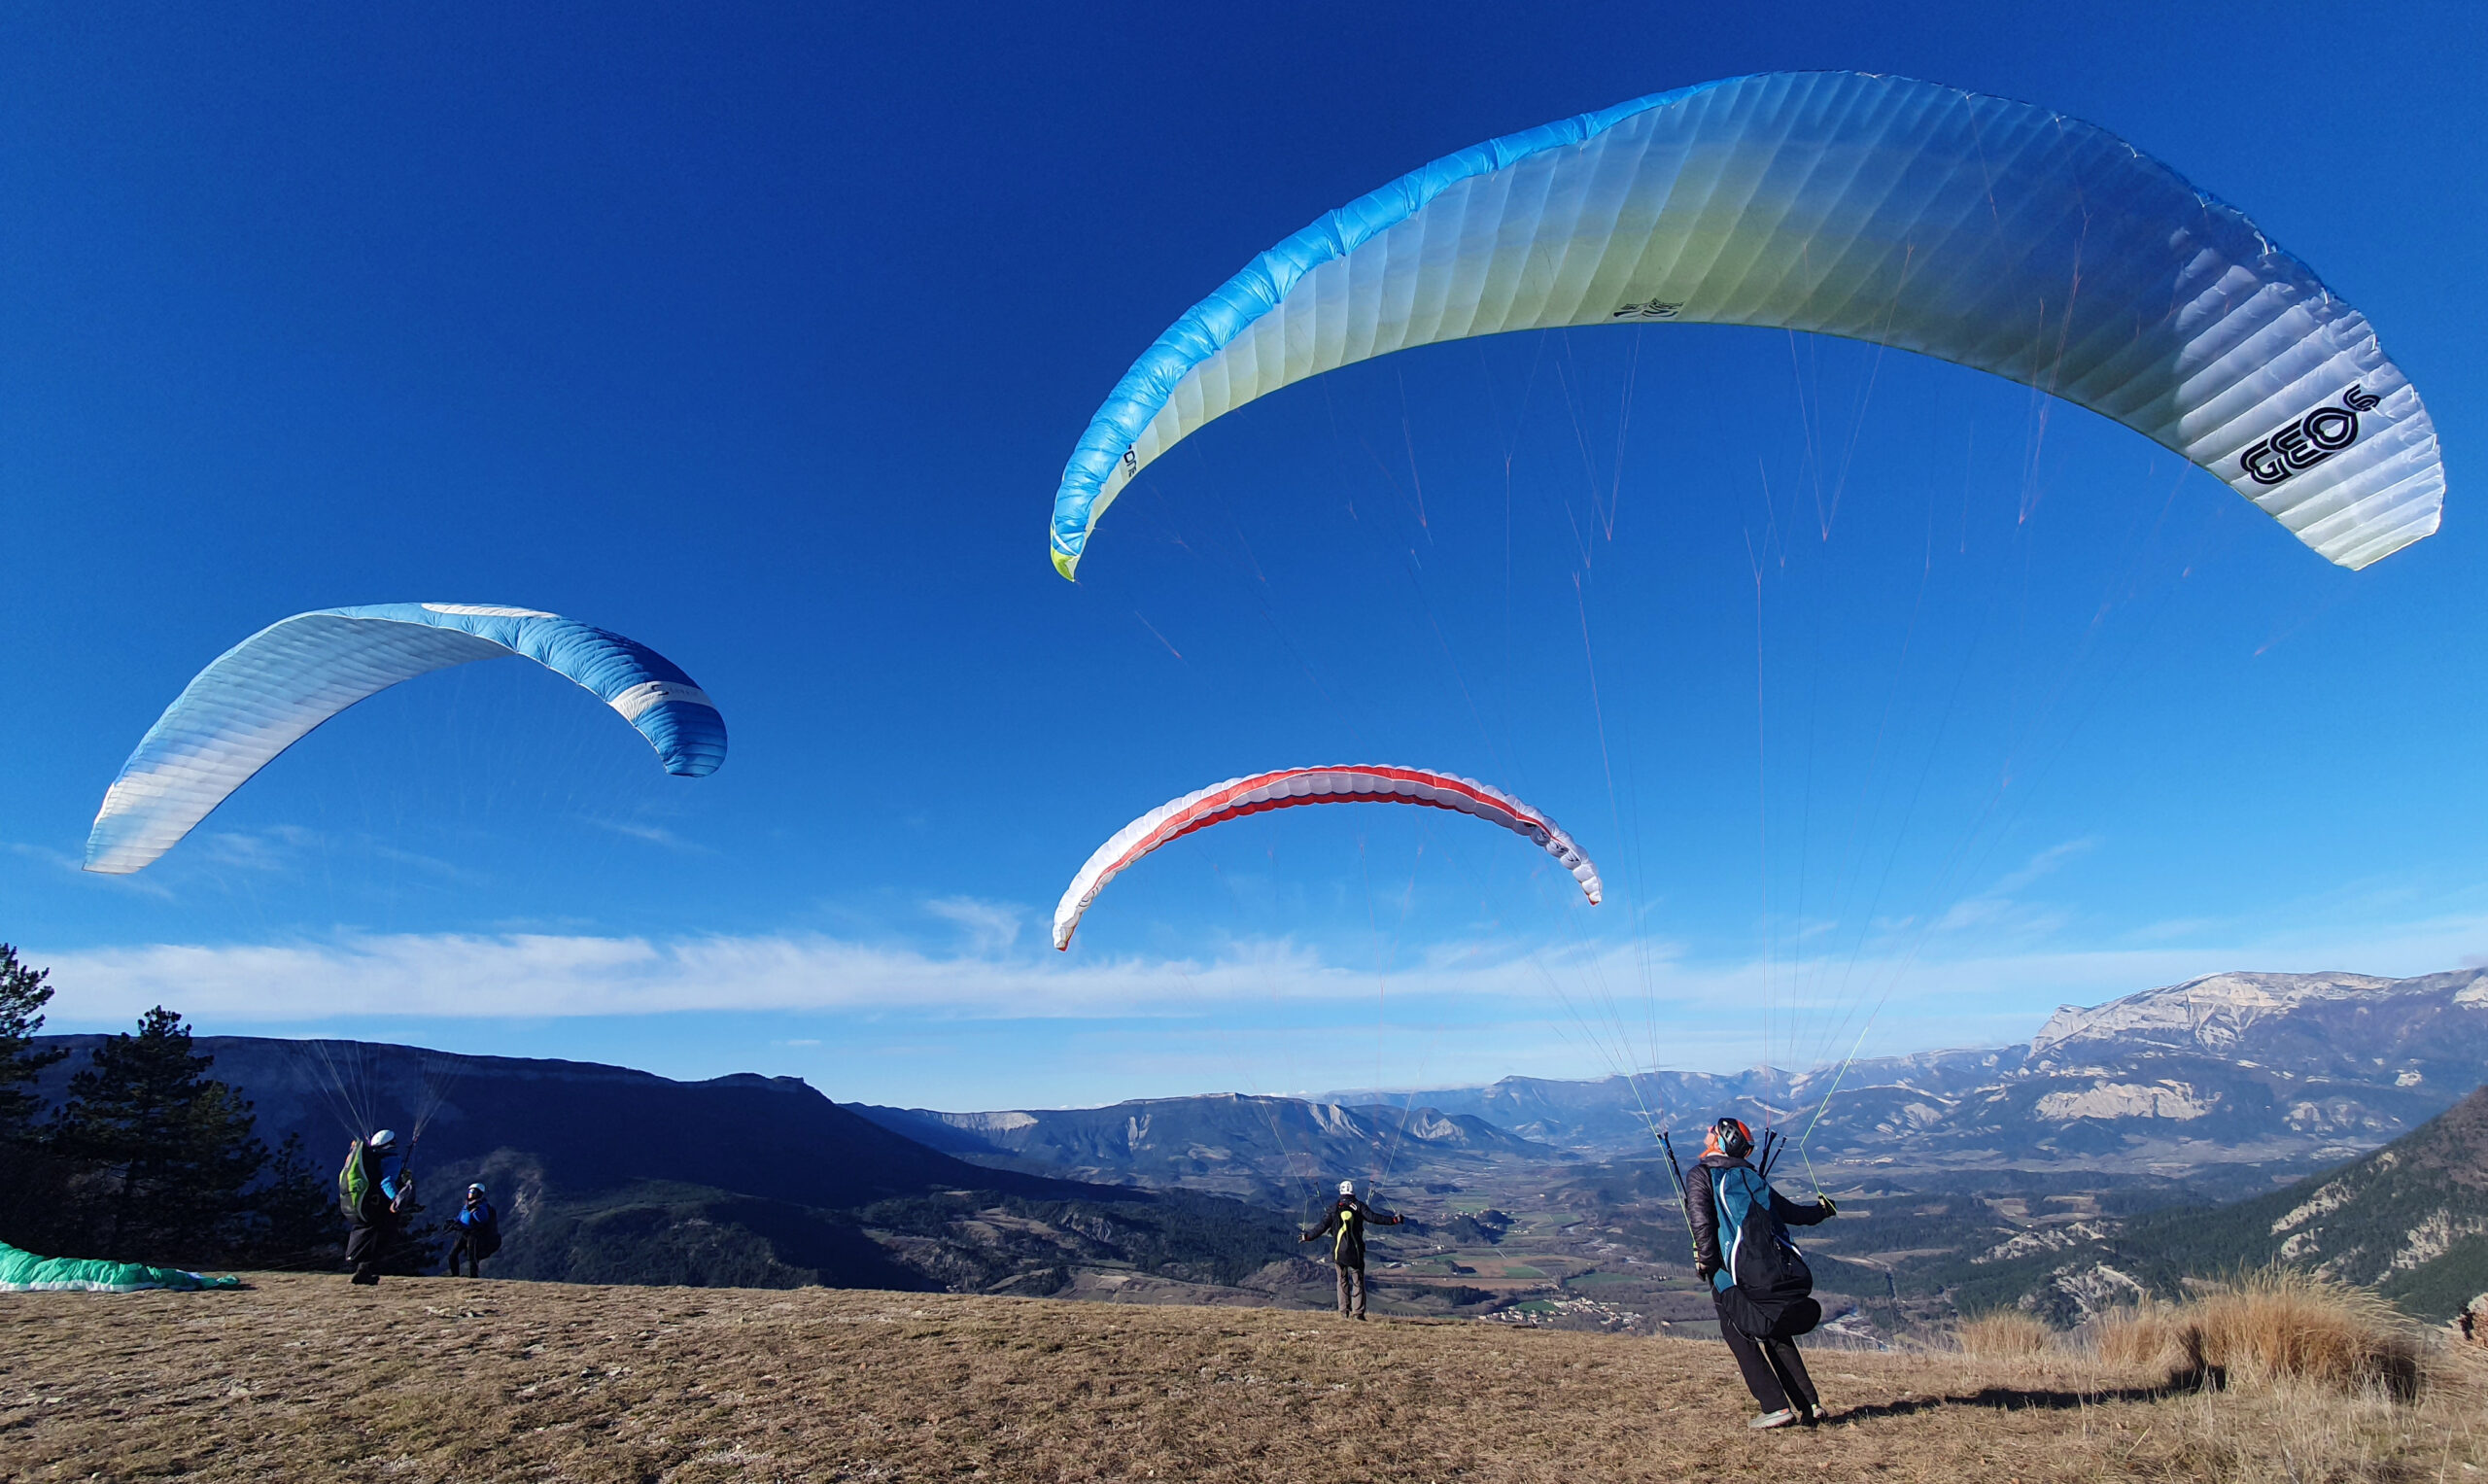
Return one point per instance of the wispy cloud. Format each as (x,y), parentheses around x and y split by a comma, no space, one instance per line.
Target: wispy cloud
(62,860)
(431,865)
(653,834)
(1997,909)
(988,927)
(2040,865)
(517,975)
(272,849)
(1604,994)
(221,857)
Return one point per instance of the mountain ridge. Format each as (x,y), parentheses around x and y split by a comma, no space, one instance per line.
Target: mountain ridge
(606,1173)
(2247,1071)
(1273,1148)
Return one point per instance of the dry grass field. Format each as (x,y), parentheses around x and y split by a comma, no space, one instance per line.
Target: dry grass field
(307,1378)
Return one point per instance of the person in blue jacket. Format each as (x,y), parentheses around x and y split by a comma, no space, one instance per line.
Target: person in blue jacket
(1760,1285)
(478,1229)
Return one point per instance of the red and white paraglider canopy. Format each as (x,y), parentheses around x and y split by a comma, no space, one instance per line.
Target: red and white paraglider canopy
(1291,786)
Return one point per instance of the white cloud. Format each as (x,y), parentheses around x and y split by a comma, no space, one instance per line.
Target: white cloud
(1645,1003)
(62,860)
(522,975)
(1996,911)
(653,834)
(2041,864)
(274,848)
(989,927)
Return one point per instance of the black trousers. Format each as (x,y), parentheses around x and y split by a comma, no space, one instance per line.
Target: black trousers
(1773,1369)
(365,1247)
(466,1248)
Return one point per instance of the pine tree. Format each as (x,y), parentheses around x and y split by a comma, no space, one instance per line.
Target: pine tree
(169,1156)
(420,1245)
(299,1227)
(22,996)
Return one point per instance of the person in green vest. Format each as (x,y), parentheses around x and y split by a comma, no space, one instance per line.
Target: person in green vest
(1345,1226)
(374,1199)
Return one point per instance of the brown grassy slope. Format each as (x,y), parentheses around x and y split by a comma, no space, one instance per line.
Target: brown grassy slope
(304,1377)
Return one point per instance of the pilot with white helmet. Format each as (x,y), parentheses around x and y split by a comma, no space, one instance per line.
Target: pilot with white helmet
(1344,1225)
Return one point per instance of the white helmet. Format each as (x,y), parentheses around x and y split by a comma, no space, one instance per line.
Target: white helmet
(386,1138)
(1347,1188)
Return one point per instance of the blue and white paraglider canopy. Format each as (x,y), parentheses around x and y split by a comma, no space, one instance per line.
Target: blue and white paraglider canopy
(269,691)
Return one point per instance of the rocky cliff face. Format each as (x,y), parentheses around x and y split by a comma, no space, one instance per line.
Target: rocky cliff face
(2346,1023)
(2288,1070)
(2410,1219)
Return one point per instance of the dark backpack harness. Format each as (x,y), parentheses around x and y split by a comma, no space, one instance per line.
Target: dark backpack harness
(1348,1219)
(360,1198)
(1767,1290)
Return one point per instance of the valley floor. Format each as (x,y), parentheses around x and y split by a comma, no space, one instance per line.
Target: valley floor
(307,1378)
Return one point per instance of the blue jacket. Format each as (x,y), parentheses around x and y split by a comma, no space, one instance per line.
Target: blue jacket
(477,1217)
(1726,1195)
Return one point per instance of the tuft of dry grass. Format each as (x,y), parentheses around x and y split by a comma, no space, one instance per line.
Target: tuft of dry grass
(2003,1335)
(2279,1325)
(2314,1432)
(2143,1337)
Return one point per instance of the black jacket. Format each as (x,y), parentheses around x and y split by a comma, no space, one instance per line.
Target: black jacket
(1345,1226)
(1702,1200)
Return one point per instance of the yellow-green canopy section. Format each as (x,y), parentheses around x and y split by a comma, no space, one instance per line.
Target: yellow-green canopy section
(1993,234)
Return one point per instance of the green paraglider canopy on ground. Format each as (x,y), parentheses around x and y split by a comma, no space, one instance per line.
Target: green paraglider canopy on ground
(23,1272)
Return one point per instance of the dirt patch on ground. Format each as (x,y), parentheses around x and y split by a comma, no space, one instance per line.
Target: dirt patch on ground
(305,1377)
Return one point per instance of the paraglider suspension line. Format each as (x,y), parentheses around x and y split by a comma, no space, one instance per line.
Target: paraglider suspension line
(1683,1198)
(1837,1079)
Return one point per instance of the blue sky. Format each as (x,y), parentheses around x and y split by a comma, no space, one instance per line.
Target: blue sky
(762,338)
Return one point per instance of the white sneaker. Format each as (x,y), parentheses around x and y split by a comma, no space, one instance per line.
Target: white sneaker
(1780,1419)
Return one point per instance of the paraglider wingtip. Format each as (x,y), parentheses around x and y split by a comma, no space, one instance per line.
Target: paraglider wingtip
(1065,562)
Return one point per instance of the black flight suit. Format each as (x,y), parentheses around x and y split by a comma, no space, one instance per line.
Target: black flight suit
(1773,1370)
(1345,1226)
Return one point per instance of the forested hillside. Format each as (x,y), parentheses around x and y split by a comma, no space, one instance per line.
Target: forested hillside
(218,1151)
(2410,1219)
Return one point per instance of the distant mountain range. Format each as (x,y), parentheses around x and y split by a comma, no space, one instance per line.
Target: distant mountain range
(2257,1075)
(2036,1171)
(2281,1071)
(1281,1151)
(610,1175)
